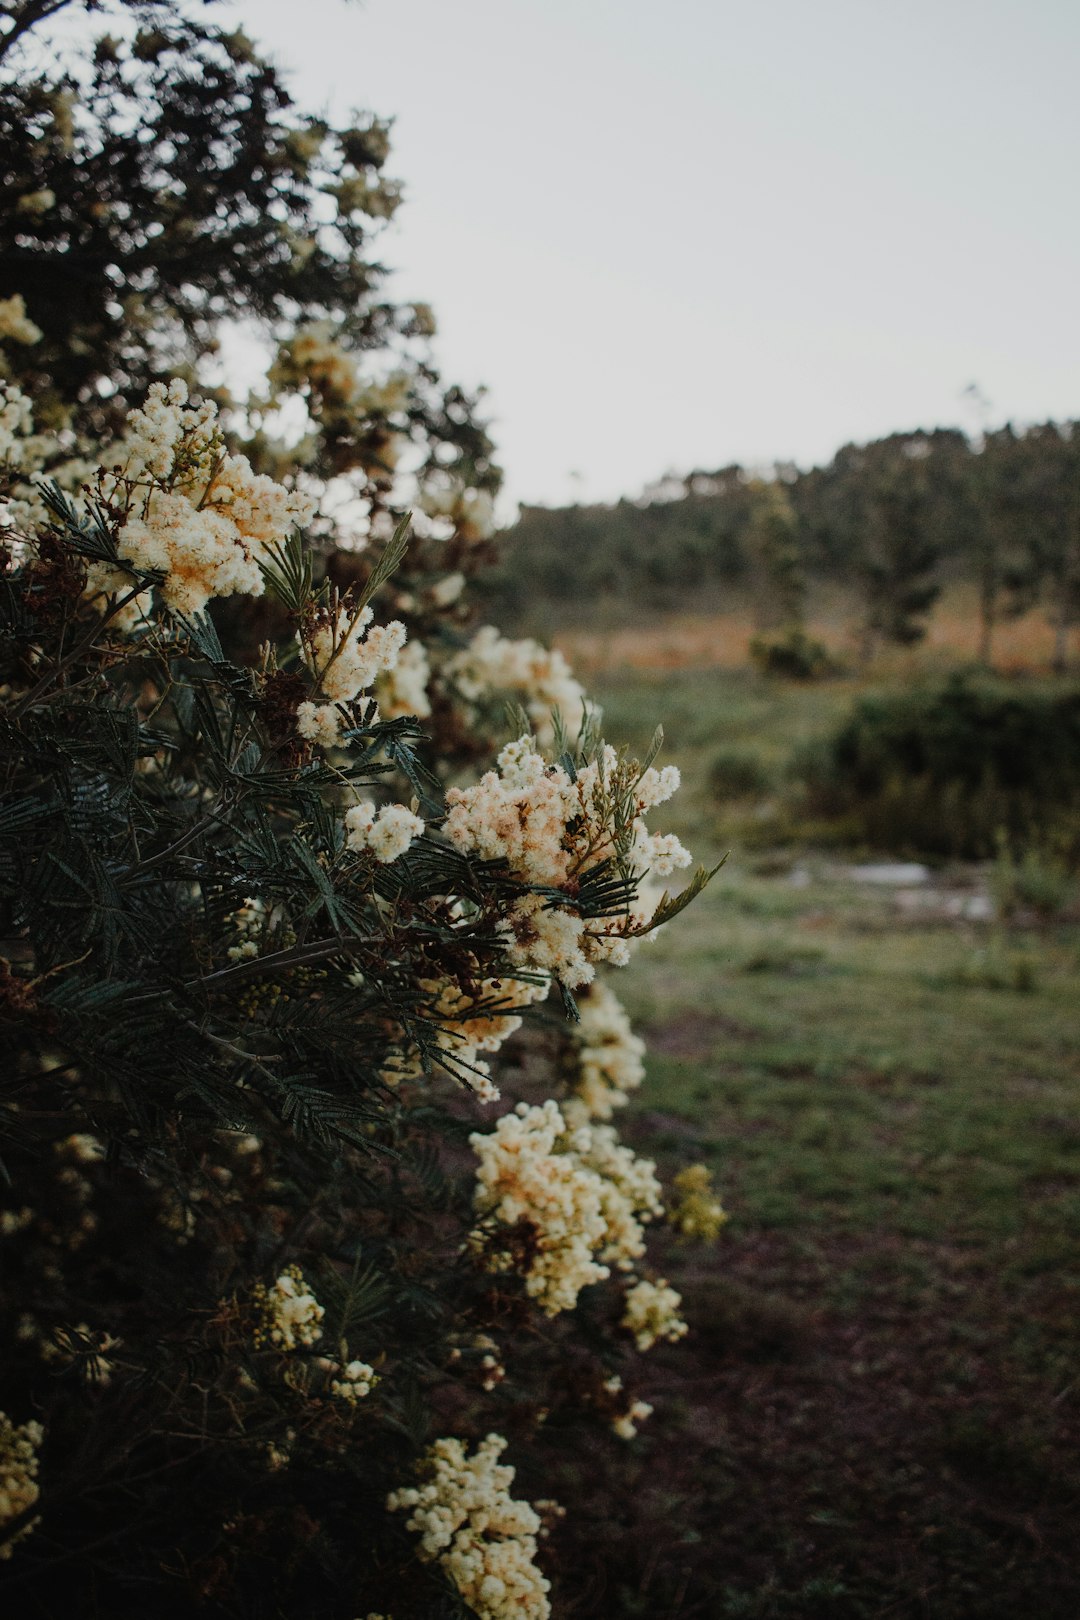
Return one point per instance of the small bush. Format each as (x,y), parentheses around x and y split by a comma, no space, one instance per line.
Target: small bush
(739,773)
(954,768)
(991,968)
(1040,879)
(792,655)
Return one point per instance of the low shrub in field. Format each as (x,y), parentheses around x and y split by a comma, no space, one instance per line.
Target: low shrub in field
(738,773)
(1039,879)
(791,654)
(993,968)
(953,768)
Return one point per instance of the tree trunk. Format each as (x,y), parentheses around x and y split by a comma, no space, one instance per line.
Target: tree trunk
(987,621)
(1060,660)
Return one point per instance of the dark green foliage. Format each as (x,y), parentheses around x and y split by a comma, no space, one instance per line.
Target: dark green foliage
(738,773)
(776,562)
(790,654)
(953,767)
(184,181)
(201,1089)
(896,560)
(141,805)
(894,519)
(657,552)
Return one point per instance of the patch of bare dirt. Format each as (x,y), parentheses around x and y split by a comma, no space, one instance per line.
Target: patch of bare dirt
(694,1035)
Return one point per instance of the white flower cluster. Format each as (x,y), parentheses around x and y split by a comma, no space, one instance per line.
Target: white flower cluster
(609,1056)
(73,1152)
(697,1211)
(290,1312)
(312,357)
(197,515)
(249,921)
(344,662)
(483,1537)
(624,1423)
(15,325)
(24,454)
(652,1312)
(492,1371)
(16,426)
(523,1182)
(551,828)
(493,665)
(388,833)
(402,689)
(356,1381)
(559,1207)
(469,1026)
(629,1190)
(471,511)
(19,1489)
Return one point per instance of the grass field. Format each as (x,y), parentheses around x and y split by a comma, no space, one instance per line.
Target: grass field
(718,635)
(878,1410)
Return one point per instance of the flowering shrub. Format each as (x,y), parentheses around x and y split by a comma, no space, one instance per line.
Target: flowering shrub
(276,1256)
(251,977)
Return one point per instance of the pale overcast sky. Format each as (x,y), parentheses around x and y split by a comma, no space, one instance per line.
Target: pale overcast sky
(681,234)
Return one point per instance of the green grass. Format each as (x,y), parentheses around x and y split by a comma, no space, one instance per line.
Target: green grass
(890,1101)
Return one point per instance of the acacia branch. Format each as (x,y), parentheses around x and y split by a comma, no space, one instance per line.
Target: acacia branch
(278,961)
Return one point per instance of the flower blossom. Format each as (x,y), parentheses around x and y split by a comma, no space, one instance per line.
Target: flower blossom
(402,689)
(552,828)
(697,1213)
(19,1489)
(15,325)
(652,1313)
(609,1057)
(345,657)
(626,1417)
(493,665)
(471,511)
(559,1207)
(199,517)
(290,1312)
(16,424)
(388,833)
(250,923)
(477,1020)
(356,1381)
(484,1539)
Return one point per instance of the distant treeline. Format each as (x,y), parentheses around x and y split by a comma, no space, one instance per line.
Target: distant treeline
(893,520)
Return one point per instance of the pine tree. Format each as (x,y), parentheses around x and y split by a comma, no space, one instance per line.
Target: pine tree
(898,561)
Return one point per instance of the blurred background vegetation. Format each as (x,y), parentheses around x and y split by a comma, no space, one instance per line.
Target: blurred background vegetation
(867,550)
(870,1031)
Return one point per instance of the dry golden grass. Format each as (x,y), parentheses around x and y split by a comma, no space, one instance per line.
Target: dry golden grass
(722,640)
